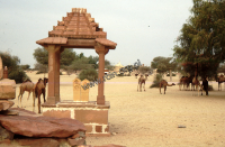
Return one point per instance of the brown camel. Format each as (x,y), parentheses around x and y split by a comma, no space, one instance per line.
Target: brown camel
(184,82)
(164,84)
(220,79)
(136,75)
(141,81)
(40,89)
(25,86)
(195,84)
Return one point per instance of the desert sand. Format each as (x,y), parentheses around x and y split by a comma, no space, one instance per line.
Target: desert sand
(150,119)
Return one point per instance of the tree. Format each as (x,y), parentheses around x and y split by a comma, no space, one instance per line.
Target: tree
(14,71)
(202,38)
(144,69)
(163,64)
(66,57)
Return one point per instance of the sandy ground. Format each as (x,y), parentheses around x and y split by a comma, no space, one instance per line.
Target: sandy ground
(150,119)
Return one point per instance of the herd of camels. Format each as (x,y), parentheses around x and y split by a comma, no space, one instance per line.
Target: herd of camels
(185,82)
(39,88)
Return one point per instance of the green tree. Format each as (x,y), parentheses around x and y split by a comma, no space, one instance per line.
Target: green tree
(66,57)
(163,64)
(14,70)
(202,38)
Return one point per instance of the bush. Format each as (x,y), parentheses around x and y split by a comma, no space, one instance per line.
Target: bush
(210,88)
(156,81)
(89,74)
(14,71)
(120,75)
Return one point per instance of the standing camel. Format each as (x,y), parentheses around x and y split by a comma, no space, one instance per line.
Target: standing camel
(40,89)
(141,81)
(220,79)
(164,84)
(25,86)
(184,82)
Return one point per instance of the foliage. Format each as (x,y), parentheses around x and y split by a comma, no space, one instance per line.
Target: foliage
(25,67)
(89,74)
(202,38)
(129,68)
(122,70)
(163,64)
(41,68)
(12,63)
(66,57)
(156,81)
(144,69)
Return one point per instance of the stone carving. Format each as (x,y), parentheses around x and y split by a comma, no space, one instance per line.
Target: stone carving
(76,89)
(85,91)
(1,68)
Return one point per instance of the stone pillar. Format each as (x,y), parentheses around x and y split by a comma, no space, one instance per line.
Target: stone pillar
(101,51)
(53,74)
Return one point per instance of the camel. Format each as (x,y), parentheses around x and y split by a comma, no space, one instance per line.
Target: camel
(141,81)
(220,79)
(40,89)
(25,86)
(184,82)
(164,84)
(136,75)
(195,83)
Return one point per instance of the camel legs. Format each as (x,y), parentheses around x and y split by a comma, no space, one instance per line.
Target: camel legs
(164,89)
(144,87)
(39,103)
(20,97)
(140,86)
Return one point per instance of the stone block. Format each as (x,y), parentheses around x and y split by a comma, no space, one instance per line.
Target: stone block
(58,113)
(92,116)
(76,89)
(88,128)
(7,89)
(85,90)
(98,129)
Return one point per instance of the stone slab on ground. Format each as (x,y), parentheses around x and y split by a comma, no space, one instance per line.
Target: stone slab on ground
(41,126)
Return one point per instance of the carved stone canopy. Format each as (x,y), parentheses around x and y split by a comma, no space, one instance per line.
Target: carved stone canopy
(77,30)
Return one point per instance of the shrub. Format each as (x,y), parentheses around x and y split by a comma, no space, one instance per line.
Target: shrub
(89,74)
(156,81)
(14,71)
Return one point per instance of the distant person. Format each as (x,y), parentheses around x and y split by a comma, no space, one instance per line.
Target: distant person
(205,85)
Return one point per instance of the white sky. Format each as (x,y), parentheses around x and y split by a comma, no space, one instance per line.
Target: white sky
(23,22)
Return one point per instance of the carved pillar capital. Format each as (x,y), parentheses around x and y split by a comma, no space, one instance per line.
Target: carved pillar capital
(100,49)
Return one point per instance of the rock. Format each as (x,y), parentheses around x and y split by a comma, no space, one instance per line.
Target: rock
(4,104)
(10,112)
(7,89)
(114,133)
(41,126)
(5,134)
(181,126)
(5,143)
(41,142)
(76,141)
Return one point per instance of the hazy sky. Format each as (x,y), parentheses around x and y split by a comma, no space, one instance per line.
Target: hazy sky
(126,22)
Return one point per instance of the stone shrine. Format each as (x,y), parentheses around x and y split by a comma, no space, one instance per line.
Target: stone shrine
(77,30)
